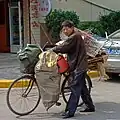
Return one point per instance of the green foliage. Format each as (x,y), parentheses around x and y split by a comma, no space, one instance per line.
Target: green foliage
(94,27)
(107,23)
(111,22)
(85,25)
(56,17)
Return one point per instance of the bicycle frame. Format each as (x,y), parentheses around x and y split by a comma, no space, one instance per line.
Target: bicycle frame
(30,85)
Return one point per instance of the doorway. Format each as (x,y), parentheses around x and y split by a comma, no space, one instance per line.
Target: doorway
(15,17)
(4,45)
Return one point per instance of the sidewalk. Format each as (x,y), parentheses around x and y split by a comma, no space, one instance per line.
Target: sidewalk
(10,70)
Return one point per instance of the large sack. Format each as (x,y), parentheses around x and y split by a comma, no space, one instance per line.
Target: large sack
(48,78)
(28,58)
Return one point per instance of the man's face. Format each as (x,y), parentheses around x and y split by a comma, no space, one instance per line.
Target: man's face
(67,30)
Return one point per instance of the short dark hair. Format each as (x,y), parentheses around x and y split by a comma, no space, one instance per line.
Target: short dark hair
(67,23)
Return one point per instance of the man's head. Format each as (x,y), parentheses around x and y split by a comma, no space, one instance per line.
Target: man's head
(67,27)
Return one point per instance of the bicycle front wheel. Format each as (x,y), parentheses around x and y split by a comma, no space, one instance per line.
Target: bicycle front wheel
(23,95)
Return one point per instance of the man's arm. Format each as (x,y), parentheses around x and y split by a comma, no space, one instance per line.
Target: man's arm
(66,46)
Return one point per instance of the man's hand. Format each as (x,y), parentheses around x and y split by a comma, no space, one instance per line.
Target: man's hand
(50,50)
(60,42)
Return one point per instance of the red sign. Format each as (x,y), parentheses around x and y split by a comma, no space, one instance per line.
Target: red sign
(35,24)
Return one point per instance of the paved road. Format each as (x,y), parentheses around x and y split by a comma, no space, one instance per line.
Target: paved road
(9,66)
(106,97)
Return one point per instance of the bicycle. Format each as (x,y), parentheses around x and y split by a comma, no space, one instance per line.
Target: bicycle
(29,89)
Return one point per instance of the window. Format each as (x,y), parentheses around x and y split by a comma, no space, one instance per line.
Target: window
(117,35)
(14,2)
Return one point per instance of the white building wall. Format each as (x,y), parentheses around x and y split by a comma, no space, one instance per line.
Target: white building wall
(110,4)
(86,9)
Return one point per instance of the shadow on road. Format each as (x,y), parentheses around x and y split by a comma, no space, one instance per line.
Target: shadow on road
(104,111)
(114,80)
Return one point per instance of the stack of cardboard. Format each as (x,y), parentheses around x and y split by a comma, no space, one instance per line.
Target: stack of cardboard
(92,62)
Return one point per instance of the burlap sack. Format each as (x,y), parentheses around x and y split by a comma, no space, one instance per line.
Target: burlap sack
(48,78)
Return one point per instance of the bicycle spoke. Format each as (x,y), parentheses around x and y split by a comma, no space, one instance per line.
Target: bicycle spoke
(22,96)
(33,99)
(27,105)
(19,102)
(15,100)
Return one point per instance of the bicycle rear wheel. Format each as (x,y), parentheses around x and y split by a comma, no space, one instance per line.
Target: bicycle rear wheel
(23,95)
(65,90)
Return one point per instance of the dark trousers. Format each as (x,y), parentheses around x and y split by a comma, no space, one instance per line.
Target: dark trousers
(78,88)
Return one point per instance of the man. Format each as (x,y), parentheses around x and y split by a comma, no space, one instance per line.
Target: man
(75,49)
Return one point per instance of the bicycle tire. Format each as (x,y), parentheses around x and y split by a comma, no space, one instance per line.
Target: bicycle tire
(88,80)
(27,92)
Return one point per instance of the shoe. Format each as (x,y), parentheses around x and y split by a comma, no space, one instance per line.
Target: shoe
(88,110)
(67,115)
(64,113)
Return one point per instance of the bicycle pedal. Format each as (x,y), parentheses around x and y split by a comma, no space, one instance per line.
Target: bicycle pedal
(58,103)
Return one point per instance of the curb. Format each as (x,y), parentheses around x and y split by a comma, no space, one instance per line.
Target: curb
(4,83)
(93,74)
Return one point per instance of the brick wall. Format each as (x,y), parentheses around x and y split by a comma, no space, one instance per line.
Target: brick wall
(37,31)
(26,21)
